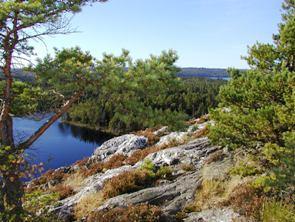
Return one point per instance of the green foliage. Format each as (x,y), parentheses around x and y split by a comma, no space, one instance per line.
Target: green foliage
(245,170)
(29,98)
(265,98)
(274,211)
(130,95)
(164,172)
(269,57)
(32,19)
(38,200)
(148,166)
(257,110)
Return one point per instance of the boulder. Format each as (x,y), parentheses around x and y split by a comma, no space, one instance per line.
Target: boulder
(172,137)
(125,145)
(161,131)
(190,153)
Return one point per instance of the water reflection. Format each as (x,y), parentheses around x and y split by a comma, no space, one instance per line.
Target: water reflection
(62,144)
(83,134)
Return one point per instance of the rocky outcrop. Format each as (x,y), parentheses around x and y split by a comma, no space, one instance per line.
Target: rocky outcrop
(176,137)
(172,197)
(93,184)
(215,215)
(125,145)
(172,194)
(190,153)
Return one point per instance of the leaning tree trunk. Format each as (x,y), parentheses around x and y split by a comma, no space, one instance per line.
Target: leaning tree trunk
(66,106)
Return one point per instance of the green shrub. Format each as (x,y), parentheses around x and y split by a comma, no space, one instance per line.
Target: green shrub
(164,172)
(37,200)
(277,212)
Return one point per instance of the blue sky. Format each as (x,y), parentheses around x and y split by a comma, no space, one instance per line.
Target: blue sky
(205,33)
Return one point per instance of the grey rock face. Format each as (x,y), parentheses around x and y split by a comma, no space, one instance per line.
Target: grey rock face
(172,196)
(190,153)
(174,136)
(215,215)
(92,185)
(125,144)
(161,131)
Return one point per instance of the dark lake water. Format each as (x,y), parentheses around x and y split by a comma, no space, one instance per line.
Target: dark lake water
(61,145)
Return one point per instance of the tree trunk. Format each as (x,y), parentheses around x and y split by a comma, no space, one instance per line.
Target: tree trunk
(13,193)
(12,190)
(49,122)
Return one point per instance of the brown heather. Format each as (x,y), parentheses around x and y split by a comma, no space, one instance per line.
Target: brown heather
(63,191)
(247,201)
(127,182)
(132,213)
(149,133)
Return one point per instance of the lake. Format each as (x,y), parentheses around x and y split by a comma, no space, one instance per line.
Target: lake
(61,145)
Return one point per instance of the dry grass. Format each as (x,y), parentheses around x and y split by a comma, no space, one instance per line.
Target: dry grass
(63,191)
(127,182)
(247,201)
(87,205)
(75,181)
(149,133)
(210,194)
(201,133)
(114,162)
(274,211)
(132,213)
(216,156)
(141,154)
(188,167)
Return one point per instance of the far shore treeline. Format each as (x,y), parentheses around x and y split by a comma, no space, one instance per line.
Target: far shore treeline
(144,95)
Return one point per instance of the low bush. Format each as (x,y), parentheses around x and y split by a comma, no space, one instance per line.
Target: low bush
(92,169)
(274,211)
(208,195)
(149,133)
(38,201)
(133,213)
(87,205)
(114,162)
(127,182)
(141,154)
(247,201)
(63,191)
(131,181)
(188,167)
(164,172)
(51,175)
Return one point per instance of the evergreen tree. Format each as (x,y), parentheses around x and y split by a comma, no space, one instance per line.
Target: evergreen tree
(257,107)
(20,22)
